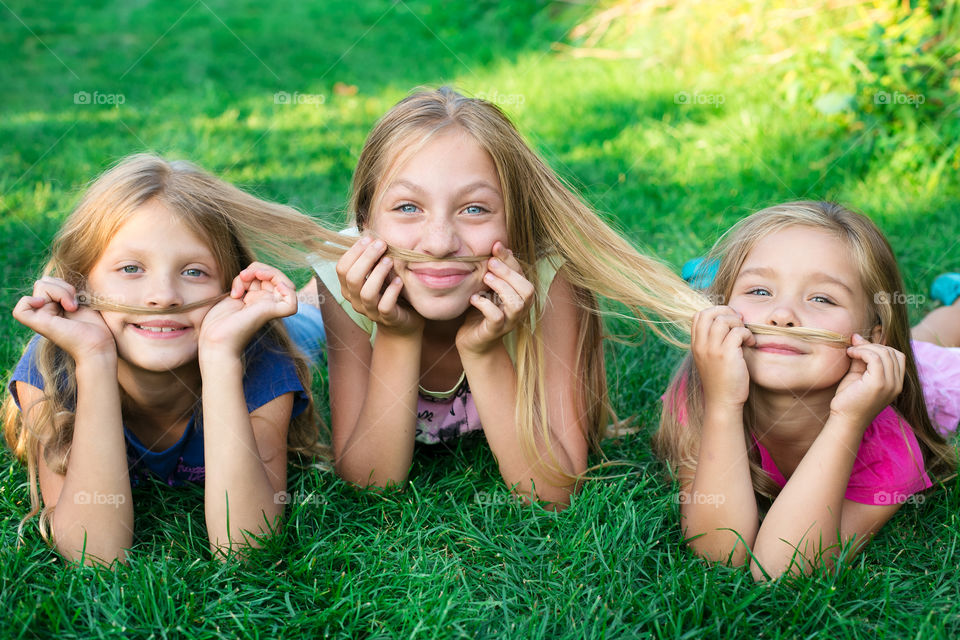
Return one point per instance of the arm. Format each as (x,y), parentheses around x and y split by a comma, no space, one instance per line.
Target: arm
(718,506)
(493,383)
(373,390)
(93,519)
(816,489)
(244,453)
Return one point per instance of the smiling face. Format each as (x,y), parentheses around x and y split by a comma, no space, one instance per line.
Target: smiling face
(445,200)
(800,277)
(154,260)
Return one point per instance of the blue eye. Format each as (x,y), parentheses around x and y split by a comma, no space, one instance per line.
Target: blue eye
(406,208)
(822,299)
(475,209)
(130,268)
(758,292)
(194,273)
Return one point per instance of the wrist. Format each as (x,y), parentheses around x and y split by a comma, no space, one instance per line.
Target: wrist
(473,354)
(100,362)
(413,333)
(219,358)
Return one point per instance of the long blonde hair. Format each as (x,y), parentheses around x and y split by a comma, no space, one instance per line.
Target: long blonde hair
(678,439)
(233,222)
(544,217)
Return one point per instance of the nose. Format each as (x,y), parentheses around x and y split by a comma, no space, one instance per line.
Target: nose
(439,237)
(783,316)
(162,292)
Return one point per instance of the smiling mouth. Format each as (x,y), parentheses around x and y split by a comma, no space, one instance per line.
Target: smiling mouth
(162,329)
(781,349)
(441,278)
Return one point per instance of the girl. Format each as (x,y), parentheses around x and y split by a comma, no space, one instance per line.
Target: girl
(836,437)
(184,373)
(470,302)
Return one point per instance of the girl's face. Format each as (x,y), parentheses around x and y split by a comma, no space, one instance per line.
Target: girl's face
(444,201)
(155,261)
(800,277)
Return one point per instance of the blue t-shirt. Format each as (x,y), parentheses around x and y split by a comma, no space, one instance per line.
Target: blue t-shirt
(268,374)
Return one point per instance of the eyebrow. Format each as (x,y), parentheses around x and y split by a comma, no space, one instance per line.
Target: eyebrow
(187,256)
(818,275)
(479,185)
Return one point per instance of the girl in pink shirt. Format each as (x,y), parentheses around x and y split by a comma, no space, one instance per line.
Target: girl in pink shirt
(833,437)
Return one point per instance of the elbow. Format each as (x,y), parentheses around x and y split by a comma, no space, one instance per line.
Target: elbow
(720,546)
(77,545)
(366,477)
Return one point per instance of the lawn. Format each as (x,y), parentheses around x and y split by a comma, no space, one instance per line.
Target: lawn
(673,118)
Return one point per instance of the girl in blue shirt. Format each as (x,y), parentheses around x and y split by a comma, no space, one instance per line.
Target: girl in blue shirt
(160,353)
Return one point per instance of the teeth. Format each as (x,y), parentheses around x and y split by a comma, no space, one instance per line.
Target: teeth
(157,329)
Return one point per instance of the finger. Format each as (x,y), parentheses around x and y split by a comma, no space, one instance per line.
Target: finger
(512,301)
(371,292)
(506,256)
(493,316)
(388,301)
(358,273)
(58,291)
(514,277)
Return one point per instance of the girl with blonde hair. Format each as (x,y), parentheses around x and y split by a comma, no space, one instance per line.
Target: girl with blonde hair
(159,354)
(834,437)
(470,303)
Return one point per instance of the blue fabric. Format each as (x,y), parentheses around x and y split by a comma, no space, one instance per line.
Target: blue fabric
(946,288)
(306,330)
(268,374)
(700,272)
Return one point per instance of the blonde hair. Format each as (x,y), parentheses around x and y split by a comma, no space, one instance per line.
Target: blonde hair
(677,441)
(544,217)
(236,225)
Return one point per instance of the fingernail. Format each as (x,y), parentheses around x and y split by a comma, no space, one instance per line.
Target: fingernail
(494,262)
(364,241)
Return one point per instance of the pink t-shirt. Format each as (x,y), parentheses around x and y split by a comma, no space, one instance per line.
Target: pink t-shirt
(888,468)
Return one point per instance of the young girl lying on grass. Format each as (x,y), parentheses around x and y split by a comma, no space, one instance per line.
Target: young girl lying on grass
(835,436)
(470,304)
(159,353)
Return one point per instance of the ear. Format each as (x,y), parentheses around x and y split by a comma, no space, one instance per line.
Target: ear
(875,333)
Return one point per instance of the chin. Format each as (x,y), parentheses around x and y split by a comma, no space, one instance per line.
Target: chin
(431,310)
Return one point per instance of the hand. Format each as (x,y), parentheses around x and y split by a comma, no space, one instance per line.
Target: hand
(717,338)
(874,380)
(258,294)
(489,321)
(363,273)
(53,312)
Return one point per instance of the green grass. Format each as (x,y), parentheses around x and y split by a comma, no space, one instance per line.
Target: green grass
(454,555)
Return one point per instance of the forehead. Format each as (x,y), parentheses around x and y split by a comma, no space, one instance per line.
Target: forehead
(451,158)
(153,226)
(802,250)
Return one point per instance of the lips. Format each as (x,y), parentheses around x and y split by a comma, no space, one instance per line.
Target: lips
(779,349)
(160,329)
(440,278)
